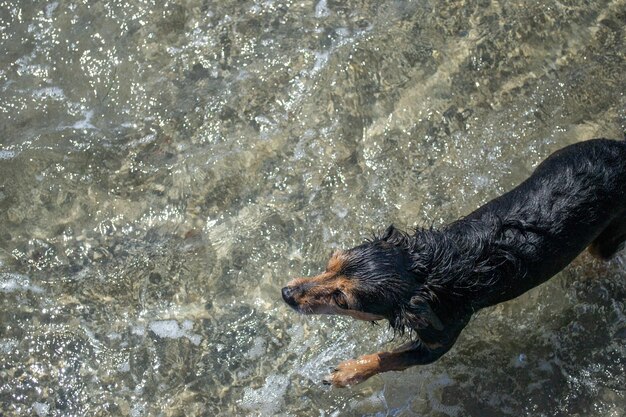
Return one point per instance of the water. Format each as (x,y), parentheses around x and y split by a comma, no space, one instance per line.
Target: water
(167,166)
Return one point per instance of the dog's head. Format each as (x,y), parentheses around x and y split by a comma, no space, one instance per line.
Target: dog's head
(374,281)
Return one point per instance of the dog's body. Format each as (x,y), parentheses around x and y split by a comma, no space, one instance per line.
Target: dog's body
(431,282)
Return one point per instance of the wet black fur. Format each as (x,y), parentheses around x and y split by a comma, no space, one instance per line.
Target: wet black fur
(430,282)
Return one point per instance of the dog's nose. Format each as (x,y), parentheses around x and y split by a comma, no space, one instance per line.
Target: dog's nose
(288,296)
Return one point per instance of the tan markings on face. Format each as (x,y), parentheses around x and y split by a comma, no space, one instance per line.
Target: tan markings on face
(317,295)
(309,282)
(336,262)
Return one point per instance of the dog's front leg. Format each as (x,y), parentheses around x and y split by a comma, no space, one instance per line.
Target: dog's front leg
(355,371)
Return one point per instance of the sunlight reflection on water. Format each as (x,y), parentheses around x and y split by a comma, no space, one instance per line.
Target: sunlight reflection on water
(167,168)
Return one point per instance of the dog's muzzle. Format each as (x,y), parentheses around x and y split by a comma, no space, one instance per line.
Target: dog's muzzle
(288,297)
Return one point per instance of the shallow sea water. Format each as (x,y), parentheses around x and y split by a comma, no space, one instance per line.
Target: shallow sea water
(166,167)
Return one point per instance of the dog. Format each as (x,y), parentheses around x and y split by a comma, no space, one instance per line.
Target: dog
(429,283)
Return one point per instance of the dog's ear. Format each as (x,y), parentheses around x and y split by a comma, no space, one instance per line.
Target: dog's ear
(388,233)
(423,309)
(394,236)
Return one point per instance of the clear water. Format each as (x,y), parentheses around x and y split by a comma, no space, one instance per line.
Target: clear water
(165,167)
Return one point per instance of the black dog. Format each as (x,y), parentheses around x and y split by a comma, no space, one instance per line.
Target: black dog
(431,282)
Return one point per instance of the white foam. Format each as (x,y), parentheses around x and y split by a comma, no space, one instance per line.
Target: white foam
(267,400)
(170,329)
(138,410)
(10,282)
(50,8)
(7,154)
(167,328)
(258,349)
(138,330)
(321,9)
(124,367)
(54,93)
(41,409)
(86,122)
(8,345)
(321,59)
(142,141)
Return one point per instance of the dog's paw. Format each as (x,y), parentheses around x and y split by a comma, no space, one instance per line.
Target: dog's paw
(353,372)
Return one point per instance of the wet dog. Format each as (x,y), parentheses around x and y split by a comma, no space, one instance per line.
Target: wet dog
(429,283)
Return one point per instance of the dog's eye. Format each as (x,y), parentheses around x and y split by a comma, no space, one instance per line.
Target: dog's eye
(340,299)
